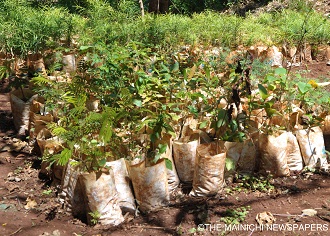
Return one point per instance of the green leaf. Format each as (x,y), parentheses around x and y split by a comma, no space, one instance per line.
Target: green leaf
(106,131)
(222,118)
(304,87)
(157,157)
(270,112)
(154,137)
(203,124)
(137,102)
(83,48)
(175,67)
(280,71)
(64,157)
(230,164)
(263,92)
(168,164)
(102,162)
(162,148)
(94,141)
(271,87)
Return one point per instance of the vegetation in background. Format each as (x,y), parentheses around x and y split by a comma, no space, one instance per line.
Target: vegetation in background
(29,27)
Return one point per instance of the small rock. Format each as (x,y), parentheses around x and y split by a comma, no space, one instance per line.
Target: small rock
(17,179)
(56,233)
(10,174)
(309,212)
(11,179)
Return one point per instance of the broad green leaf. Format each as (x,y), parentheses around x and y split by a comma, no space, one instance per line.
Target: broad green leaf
(230,164)
(175,67)
(154,137)
(271,79)
(263,92)
(84,139)
(304,87)
(137,102)
(102,162)
(269,104)
(168,164)
(280,71)
(203,124)
(83,48)
(271,87)
(162,148)
(270,112)
(157,157)
(222,118)
(94,141)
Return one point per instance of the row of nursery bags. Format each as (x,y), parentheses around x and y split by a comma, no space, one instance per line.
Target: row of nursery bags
(195,160)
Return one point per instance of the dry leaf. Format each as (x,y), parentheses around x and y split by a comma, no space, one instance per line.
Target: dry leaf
(30,204)
(264,218)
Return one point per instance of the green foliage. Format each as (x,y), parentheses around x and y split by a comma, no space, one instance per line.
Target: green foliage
(95,217)
(253,183)
(235,216)
(28,29)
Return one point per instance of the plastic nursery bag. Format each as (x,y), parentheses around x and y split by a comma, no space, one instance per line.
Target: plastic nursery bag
(247,161)
(150,185)
(184,154)
(72,193)
(311,143)
(20,106)
(122,181)
(242,155)
(209,169)
(326,124)
(295,160)
(273,154)
(101,196)
(172,175)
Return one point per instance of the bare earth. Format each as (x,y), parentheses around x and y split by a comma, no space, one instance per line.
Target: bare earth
(21,186)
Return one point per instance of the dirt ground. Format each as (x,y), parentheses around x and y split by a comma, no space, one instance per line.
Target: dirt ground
(29,204)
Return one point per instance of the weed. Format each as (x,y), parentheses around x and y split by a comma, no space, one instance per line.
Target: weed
(252,183)
(47,192)
(18,170)
(95,217)
(235,216)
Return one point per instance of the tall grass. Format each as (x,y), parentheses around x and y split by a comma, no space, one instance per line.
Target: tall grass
(25,28)
(210,28)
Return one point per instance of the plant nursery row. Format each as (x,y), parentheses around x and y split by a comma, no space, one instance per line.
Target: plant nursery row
(120,129)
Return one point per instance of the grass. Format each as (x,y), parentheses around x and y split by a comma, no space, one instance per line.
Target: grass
(27,28)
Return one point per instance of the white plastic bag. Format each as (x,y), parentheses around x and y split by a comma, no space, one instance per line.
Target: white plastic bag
(184,154)
(273,154)
(209,170)
(122,181)
(311,143)
(20,106)
(295,160)
(101,196)
(150,185)
(72,193)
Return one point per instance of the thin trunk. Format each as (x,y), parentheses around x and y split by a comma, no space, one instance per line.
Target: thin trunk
(159,6)
(142,8)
